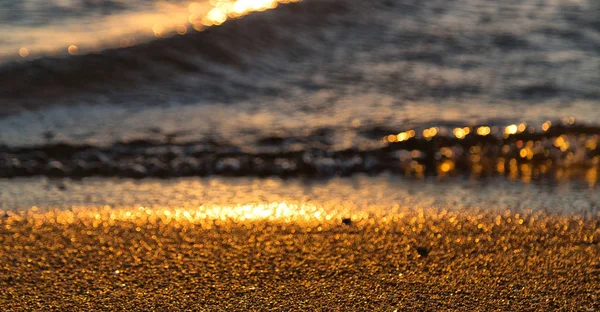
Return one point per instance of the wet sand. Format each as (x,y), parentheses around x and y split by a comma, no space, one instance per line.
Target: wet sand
(307,253)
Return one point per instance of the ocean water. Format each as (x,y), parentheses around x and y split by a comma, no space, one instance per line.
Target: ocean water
(316,88)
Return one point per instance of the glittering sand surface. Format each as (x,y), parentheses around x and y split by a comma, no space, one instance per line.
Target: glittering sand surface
(380,244)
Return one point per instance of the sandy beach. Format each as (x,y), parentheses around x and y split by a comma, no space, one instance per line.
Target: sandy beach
(304,253)
(418,262)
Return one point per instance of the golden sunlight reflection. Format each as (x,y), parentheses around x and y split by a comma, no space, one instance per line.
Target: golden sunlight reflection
(23,52)
(182,29)
(546,125)
(225,9)
(400,137)
(562,143)
(511,129)
(200,17)
(461,133)
(430,133)
(121,30)
(271,211)
(403,136)
(73,49)
(528,155)
(274,211)
(592,176)
(568,120)
(446,166)
(483,131)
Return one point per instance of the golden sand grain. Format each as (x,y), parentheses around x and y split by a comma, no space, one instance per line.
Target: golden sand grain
(85,260)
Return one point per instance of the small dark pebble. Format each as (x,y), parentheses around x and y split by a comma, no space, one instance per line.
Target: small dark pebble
(347,221)
(422,251)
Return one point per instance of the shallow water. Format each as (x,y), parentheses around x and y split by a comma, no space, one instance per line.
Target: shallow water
(359,197)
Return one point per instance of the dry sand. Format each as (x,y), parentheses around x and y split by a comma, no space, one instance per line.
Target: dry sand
(360,244)
(144,260)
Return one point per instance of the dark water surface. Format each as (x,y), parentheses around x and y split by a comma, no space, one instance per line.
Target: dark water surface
(316,88)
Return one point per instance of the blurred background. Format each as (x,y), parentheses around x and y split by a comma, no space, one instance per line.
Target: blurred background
(317,87)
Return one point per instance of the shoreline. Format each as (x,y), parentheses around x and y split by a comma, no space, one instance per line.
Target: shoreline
(359,194)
